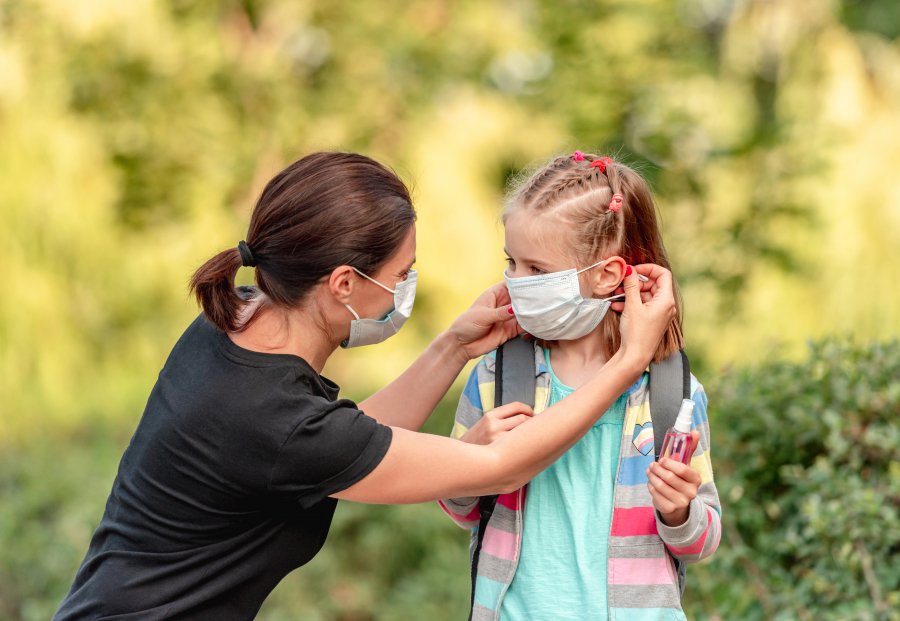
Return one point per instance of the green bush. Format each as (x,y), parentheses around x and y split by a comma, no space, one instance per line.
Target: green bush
(806,458)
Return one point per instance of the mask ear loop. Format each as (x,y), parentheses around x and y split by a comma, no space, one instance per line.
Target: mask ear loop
(619,296)
(609,299)
(592,266)
(370,279)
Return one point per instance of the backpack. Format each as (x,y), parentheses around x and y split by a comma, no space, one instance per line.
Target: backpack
(514,380)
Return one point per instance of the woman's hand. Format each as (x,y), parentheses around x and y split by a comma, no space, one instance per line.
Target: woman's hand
(487,324)
(497,422)
(648,311)
(673,485)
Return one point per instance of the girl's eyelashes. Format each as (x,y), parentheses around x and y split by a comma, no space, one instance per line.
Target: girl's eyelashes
(511,264)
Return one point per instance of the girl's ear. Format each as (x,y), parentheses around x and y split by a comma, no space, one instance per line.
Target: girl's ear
(607,277)
(341,283)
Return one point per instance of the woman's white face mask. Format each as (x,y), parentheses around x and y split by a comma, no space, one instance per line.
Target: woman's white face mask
(551,307)
(371,331)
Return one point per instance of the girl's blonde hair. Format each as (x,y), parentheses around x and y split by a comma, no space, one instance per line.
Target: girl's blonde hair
(579,190)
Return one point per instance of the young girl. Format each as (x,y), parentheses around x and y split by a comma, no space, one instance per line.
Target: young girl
(594,535)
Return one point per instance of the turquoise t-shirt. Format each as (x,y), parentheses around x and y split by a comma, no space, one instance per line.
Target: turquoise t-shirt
(568,510)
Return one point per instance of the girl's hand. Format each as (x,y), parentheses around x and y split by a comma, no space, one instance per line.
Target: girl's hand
(487,324)
(673,486)
(497,422)
(644,321)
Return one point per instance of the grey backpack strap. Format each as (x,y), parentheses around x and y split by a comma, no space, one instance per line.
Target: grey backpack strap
(514,380)
(670,382)
(514,373)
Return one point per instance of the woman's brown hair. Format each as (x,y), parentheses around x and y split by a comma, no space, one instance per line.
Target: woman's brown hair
(578,190)
(323,211)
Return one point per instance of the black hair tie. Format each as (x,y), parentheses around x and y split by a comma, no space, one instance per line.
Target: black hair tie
(247,259)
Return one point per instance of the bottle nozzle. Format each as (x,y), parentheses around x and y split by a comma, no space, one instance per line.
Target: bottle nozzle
(685,415)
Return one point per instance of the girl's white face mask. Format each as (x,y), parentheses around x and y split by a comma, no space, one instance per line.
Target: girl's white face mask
(550,306)
(371,331)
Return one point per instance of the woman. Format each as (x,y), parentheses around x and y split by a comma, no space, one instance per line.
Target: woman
(232,476)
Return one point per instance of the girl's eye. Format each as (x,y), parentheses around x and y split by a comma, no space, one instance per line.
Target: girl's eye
(537,270)
(510,263)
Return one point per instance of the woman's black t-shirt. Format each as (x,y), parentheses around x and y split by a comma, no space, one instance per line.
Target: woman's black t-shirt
(224,488)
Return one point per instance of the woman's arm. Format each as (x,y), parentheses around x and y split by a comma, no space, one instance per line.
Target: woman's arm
(408,401)
(422,467)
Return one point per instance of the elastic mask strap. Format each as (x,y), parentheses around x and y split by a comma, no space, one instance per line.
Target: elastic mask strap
(613,298)
(592,266)
(347,306)
(369,278)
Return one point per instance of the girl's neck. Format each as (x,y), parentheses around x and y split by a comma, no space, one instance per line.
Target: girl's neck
(576,362)
(296,332)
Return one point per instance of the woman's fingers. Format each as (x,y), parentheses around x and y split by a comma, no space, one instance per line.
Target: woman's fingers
(488,323)
(646,296)
(656,274)
(643,324)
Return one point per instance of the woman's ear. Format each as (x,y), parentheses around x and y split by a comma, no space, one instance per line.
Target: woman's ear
(341,283)
(608,276)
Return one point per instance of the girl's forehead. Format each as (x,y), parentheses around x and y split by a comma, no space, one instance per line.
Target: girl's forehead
(538,236)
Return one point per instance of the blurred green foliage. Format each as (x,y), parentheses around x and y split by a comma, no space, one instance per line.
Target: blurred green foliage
(136,136)
(808,471)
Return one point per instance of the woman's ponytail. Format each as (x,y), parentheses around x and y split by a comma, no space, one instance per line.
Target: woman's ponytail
(213,284)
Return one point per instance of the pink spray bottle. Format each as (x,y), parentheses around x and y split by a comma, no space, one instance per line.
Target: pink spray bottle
(677,444)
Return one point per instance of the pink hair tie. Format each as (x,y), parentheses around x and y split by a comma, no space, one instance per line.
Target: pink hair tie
(616,203)
(578,156)
(601,163)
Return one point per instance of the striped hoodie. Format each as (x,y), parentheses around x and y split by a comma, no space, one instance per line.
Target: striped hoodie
(643,585)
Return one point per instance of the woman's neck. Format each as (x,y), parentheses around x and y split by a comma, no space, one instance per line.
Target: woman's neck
(297,332)
(576,362)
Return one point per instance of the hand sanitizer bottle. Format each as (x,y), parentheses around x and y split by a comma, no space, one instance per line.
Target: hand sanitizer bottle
(677,444)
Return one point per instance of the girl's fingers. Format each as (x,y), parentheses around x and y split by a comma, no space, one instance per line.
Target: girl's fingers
(695,441)
(511,409)
(512,422)
(677,475)
(668,492)
(662,504)
(678,471)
